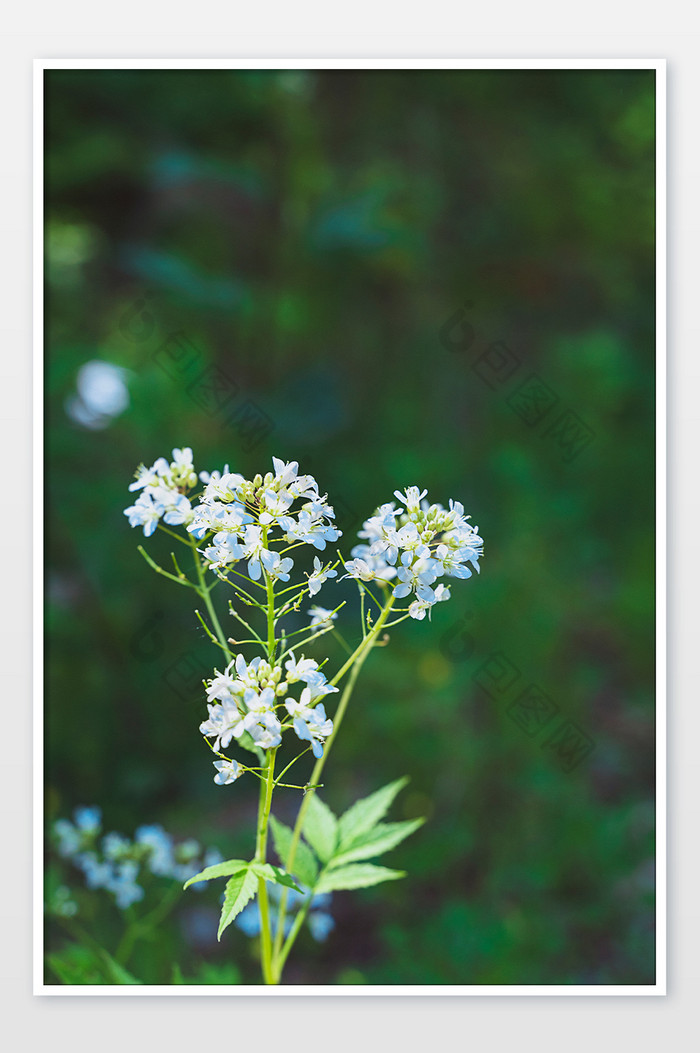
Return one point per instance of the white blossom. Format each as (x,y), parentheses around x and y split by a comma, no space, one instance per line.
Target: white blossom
(227,771)
(416,544)
(310,724)
(319,575)
(275,567)
(321,617)
(145,513)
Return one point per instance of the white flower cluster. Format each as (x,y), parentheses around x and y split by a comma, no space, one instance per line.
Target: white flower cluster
(163,496)
(247,696)
(245,515)
(414,545)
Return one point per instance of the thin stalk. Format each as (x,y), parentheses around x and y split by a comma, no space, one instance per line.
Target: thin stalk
(166,574)
(265,802)
(173,534)
(283,954)
(361,652)
(250,600)
(356,661)
(266,789)
(203,591)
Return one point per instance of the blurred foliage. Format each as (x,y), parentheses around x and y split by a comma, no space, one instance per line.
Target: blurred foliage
(345,248)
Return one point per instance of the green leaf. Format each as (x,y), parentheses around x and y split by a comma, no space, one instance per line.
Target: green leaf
(116,972)
(76,965)
(269,872)
(305,867)
(366,813)
(320,828)
(231,866)
(83,965)
(240,889)
(357,875)
(226,973)
(380,838)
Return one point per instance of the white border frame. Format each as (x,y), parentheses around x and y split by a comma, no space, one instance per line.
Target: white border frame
(656,989)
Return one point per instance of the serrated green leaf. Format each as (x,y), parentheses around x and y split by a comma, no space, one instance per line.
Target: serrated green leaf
(305,866)
(381,838)
(269,872)
(226,869)
(240,889)
(366,813)
(320,828)
(357,875)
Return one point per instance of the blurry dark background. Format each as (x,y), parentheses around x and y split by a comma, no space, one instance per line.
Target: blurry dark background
(439,278)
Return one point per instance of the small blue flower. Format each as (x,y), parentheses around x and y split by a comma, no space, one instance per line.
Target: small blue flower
(161,861)
(97,874)
(114,846)
(88,819)
(320,925)
(68,836)
(320,922)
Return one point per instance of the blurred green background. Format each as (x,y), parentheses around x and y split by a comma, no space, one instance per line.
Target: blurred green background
(443,278)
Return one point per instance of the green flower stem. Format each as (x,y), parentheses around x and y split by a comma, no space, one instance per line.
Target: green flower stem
(266,789)
(355,662)
(283,954)
(359,655)
(270,619)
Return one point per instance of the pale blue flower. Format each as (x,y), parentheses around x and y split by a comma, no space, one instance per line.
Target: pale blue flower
(321,617)
(319,575)
(88,819)
(224,722)
(62,904)
(274,505)
(227,771)
(114,846)
(318,919)
(123,885)
(253,546)
(310,724)
(150,476)
(412,498)
(68,836)
(316,687)
(160,860)
(98,873)
(177,508)
(145,513)
(264,729)
(320,925)
(300,670)
(276,567)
